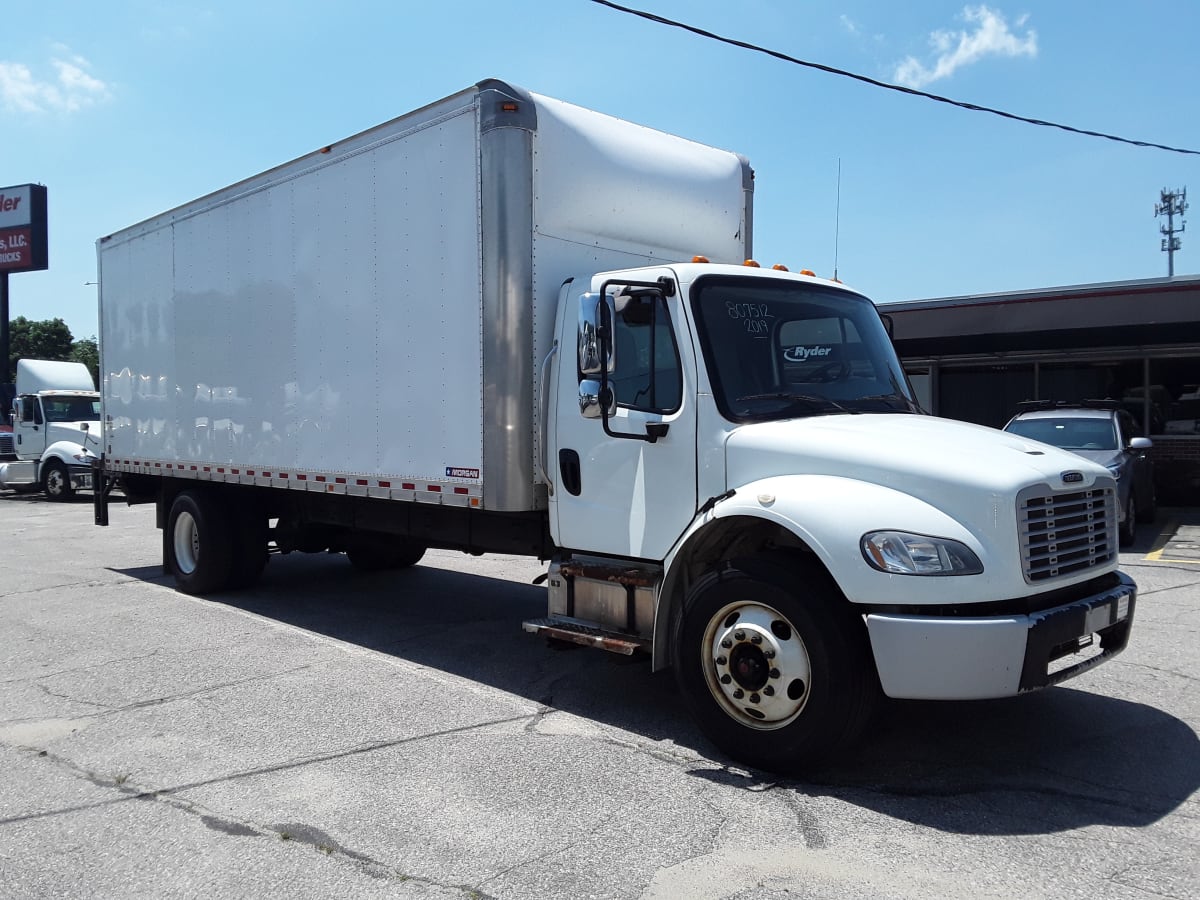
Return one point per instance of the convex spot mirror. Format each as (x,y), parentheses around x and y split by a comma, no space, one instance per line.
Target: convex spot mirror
(590,393)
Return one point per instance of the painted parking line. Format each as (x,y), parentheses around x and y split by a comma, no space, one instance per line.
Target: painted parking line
(1177,543)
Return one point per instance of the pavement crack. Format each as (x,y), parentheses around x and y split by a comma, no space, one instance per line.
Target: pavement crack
(99,665)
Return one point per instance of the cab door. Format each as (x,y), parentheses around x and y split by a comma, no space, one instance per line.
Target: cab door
(29,426)
(625,486)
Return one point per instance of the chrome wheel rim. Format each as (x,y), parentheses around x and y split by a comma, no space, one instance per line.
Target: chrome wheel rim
(756,665)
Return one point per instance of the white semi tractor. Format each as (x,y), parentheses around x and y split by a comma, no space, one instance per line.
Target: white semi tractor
(503,323)
(55,429)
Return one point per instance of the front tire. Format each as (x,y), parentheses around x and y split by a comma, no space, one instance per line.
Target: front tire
(774,665)
(56,481)
(198,544)
(1129,526)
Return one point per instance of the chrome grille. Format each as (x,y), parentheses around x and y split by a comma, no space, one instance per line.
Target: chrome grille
(6,444)
(1065,532)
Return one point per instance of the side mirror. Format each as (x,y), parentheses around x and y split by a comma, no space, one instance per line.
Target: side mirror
(1140,443)
(590,406)
(594,351)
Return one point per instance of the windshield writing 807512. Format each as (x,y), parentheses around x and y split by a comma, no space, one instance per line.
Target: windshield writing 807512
(753,317)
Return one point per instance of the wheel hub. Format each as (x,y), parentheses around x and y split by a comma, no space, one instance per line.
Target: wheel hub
(756,665)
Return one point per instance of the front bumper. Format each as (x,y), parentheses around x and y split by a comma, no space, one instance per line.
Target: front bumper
(81,477)
(976,658)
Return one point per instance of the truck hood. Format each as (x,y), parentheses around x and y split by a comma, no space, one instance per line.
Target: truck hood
(72,431)
(960,468)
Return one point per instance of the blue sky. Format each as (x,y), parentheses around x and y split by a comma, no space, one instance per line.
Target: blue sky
(129,108)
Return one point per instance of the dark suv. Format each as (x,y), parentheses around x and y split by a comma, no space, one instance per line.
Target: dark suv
(1103,432)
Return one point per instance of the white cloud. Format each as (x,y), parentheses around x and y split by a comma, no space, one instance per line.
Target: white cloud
(850,25)
(69,90)
(990,37)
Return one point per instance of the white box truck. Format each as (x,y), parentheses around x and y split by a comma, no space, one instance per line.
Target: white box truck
(55,429)
(503,323)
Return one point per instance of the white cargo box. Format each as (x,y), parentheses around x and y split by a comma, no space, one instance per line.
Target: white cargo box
(371,318)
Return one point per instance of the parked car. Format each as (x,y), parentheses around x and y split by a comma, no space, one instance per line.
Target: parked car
(1103,432)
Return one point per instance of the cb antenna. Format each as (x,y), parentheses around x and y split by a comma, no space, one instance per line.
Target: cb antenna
(837,220)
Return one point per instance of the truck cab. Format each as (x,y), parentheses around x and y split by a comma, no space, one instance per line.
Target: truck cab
(54,414)
(744,485)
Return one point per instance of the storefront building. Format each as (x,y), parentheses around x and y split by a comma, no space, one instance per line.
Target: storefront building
(1137,342)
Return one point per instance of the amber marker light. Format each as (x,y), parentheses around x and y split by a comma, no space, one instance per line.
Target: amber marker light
(808,272)
(780,268)
(699,259)
(752,264)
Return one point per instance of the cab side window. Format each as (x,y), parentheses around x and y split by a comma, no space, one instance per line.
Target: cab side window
(647,372)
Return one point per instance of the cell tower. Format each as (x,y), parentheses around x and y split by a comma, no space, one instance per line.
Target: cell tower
(1171,204)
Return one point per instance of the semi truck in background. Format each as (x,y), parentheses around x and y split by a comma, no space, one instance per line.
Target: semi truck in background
(55,429)
(504,323)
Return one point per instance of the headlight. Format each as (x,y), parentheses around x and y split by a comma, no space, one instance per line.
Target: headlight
(901,553)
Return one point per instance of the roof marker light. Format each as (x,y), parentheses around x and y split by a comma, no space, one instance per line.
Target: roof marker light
(808,272)
(699,259)
(751,263)
(780,268)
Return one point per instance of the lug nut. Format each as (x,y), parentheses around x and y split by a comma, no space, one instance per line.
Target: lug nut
(738,694)
(769,691)
(774,673)
(721,660)
(739,635)
(725,679)
(727,643)
(754,698)
(769,654)
(756,638)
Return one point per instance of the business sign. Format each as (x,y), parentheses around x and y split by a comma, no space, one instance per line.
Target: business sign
(23,246)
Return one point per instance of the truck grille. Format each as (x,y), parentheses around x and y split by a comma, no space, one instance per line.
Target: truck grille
(6,444)
(1063,533)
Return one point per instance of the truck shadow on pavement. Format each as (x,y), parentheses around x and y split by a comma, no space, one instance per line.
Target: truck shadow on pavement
(1056,760)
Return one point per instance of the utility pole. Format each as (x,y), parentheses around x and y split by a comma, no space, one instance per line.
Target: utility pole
(1171,204)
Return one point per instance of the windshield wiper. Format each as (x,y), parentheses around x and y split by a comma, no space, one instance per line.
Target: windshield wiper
(814,403)
(907,405)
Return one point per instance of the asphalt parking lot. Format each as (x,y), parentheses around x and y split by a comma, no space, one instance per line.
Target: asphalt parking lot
(328,734)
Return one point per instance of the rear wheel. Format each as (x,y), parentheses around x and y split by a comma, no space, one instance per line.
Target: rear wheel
(250,536)
(198,545)
(774,665)
(56,481)
(371,553)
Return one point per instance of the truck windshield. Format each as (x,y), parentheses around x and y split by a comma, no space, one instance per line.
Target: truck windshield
(783,349)
(71,409)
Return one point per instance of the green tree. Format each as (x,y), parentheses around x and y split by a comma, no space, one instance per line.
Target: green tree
(48,339)
(87,351)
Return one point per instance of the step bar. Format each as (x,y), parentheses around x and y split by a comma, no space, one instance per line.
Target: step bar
(574,631)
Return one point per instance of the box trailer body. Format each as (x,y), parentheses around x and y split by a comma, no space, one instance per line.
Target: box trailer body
(376,309)
(55,429)
(503,323)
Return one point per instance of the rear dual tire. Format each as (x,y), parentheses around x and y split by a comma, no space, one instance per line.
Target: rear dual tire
(209,545)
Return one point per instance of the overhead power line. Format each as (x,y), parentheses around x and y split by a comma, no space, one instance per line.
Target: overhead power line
(974,107)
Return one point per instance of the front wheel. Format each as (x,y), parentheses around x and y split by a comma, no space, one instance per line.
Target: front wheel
(1129,527)
(774,665)
(56,481)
